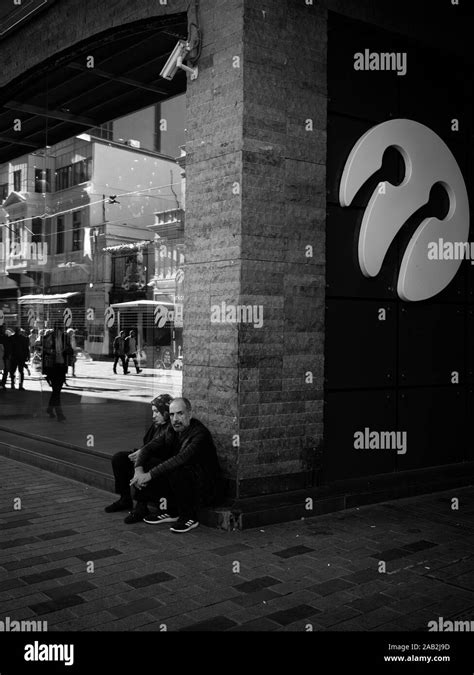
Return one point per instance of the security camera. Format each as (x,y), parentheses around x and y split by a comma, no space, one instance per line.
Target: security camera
(175,61)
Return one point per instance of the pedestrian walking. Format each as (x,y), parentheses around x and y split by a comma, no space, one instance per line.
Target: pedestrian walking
(5,342)
(32,337)
(131,348)
(71,336)
(56,356)
(119,352)
(19,355)
(2,357)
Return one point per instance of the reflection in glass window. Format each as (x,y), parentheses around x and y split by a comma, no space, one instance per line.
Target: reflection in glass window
(36,230)
(160,127)
(76,231)
(3,191)
(16,232)
(170,123)
(73,174)
(105,131)
(60,234)
(100,235)
(42,180)
(17,180)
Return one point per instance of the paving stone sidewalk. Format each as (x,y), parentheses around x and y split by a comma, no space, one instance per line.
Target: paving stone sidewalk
(64,561)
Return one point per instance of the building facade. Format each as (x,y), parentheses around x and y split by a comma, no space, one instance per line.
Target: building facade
(292,345)
(61,221)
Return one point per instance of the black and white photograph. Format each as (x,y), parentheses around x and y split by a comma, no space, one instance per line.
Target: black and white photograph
(236,332)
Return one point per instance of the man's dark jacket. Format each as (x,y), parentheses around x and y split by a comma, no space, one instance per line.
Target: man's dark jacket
(157,432)
(192,448)
(19,348)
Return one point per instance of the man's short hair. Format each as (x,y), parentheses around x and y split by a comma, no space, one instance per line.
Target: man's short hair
(186,402)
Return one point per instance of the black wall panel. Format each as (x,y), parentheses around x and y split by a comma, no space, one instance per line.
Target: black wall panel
(433,91)
(350,412)
(470,347)
(360,348)
(436,425)
(469,424)
(431,344)
(359,93)
(469,270)
(397,374)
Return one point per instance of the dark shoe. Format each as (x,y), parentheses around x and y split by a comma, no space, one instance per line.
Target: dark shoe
(139,370)
(160,518)
(120,505)
(21,387)
(115,372)
(184,525)
(50,412)
(136,516)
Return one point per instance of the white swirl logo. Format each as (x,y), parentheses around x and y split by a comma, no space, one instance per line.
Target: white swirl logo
(31,317)
(161,315)
(109,315)
(428,161)
(67,317)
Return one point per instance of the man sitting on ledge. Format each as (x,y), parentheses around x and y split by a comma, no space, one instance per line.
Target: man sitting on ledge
(186,481)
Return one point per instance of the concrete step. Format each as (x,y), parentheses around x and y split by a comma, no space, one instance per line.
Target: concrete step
(94,468)
(84,465)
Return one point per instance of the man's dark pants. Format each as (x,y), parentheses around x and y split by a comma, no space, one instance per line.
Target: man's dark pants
(123,470)
(57,377)
(122,359)
(179,487)
(6,370)
(14,365)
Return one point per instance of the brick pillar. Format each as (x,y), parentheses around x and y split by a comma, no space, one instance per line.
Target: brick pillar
(249,126)
(283,244)
(213,225)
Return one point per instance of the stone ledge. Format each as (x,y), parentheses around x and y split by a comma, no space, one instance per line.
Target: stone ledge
(250,512)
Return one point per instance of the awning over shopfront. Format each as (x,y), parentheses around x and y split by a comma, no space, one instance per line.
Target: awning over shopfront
(16,280)
(58,298)
(7,284)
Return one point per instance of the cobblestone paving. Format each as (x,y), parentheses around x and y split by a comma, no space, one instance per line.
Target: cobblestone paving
(64,561)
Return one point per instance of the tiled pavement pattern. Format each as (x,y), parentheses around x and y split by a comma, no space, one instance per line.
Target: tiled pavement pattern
(322,571)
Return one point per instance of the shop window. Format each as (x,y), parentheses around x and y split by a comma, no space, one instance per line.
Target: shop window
(17,180)
(42,180)
(105,131)
(76,231)
(73,174)
(36,231)
(60,235)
